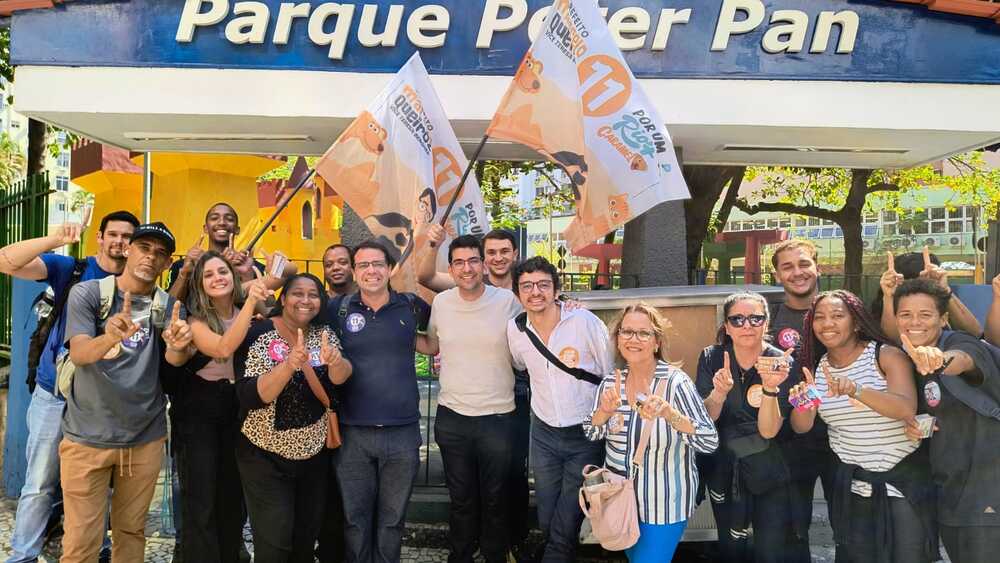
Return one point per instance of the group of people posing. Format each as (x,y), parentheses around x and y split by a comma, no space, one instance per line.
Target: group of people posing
(300,412)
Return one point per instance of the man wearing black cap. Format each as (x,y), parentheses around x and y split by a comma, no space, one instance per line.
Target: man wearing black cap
(114,425)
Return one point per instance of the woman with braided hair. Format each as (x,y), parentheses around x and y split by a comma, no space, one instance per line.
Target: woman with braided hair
(883,503)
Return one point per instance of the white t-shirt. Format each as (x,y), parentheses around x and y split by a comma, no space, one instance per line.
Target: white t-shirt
(476,376)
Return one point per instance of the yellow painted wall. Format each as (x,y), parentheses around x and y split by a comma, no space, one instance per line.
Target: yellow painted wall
(186,185)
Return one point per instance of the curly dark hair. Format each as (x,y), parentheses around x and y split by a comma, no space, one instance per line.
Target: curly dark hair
(920,286)
(868,329)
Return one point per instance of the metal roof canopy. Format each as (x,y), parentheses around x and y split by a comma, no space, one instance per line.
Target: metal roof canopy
(146,92)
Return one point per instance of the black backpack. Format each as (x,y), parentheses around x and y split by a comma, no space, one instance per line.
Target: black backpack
(36,344)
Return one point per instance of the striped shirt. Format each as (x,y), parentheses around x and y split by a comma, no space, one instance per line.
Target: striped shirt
(667,482)
(859,435)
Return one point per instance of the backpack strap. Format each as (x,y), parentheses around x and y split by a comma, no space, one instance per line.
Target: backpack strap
(107,289)
(158,310)
(972,397)
(521,322)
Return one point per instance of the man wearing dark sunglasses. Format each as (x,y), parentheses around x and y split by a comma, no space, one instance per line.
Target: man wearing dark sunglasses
(795,268)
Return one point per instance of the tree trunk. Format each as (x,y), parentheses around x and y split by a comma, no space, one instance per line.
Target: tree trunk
(36,147)
(849,219)
(850,223)
(706,184)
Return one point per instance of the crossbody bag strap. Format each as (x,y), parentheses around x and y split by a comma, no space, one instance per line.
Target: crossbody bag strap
(314,384)
(521,322)
(644,435)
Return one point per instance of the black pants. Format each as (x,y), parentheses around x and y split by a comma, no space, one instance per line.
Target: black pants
(331,535)
(517,479)
(476,454)
(807,464)
(285,499)
(204,429)
(971,544)
(908,532)
(771,540)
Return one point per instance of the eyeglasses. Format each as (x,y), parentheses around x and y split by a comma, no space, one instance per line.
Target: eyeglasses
(739,320)
(460,264)
(527,286)
(640,335)
(378,265)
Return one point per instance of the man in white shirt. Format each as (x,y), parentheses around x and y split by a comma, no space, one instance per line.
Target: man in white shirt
(560,400)
(475,416)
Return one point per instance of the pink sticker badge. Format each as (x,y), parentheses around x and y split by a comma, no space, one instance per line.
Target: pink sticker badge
(932,393)
(277,350)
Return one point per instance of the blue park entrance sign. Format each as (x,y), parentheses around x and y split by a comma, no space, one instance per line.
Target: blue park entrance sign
(841,40)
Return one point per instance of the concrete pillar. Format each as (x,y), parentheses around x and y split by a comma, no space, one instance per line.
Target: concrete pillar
(655,246)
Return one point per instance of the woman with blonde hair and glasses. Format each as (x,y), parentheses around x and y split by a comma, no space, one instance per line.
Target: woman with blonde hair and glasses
(744,383)
(651,390)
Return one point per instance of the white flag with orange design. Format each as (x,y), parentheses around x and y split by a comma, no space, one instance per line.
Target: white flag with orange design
(575,101)
(398,165)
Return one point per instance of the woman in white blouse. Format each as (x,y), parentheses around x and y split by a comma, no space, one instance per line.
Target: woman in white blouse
(667,482)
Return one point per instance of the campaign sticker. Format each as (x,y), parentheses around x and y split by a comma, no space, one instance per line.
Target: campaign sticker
(355,322)
(277,350)
(314,358)
(137,340)
(932,393)
(755,395)
(569,356)
(788,338)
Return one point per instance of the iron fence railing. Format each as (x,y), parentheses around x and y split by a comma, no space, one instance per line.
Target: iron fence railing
(24,214)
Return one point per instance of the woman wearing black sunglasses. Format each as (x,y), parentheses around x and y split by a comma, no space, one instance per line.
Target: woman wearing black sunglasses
(744,383)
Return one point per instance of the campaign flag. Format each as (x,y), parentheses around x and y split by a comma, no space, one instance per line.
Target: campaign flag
(576,102)
(398,165)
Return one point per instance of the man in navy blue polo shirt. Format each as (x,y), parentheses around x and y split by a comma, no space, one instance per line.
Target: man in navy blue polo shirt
(32,260)
(379,415)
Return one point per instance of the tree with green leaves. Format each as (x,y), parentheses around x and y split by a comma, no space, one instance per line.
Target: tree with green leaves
(843,196)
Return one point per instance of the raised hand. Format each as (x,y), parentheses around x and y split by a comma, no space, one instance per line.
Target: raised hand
(67,233)
(329,354)
(722,381)
(435,234)
(797,394)
(611,398)
(298,356)
(178,333)
(120,325)
(776,369)
(194,253)
(257,292)
(655,407)
(927,359)
(242,263)
(838,386)
(890,279)
(934,273)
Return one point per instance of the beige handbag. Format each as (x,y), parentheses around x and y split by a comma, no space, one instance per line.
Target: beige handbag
(611,503)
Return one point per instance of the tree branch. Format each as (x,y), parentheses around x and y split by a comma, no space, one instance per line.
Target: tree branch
(883,187)
(808,210)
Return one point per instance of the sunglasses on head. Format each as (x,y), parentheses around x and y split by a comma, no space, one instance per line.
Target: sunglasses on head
(739,320)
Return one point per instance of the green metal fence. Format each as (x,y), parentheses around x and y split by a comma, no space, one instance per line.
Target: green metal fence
(24,214)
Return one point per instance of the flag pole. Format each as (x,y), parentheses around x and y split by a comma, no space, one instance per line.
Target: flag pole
(465,176)
(280,208)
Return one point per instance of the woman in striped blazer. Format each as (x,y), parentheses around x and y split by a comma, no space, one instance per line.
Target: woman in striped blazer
(650,390)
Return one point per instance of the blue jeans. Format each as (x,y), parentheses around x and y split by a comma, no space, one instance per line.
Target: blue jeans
(558,456)
(376,468)
(41,477)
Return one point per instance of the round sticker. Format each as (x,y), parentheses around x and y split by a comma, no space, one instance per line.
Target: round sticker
(355,322)
(755,395)
(137,340)
(277,350)
(314,360)
(569,356)
(932,393)
(788,338)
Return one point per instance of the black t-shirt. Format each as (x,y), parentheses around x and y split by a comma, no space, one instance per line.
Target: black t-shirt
(786,329)
(744,399)
(965,451)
